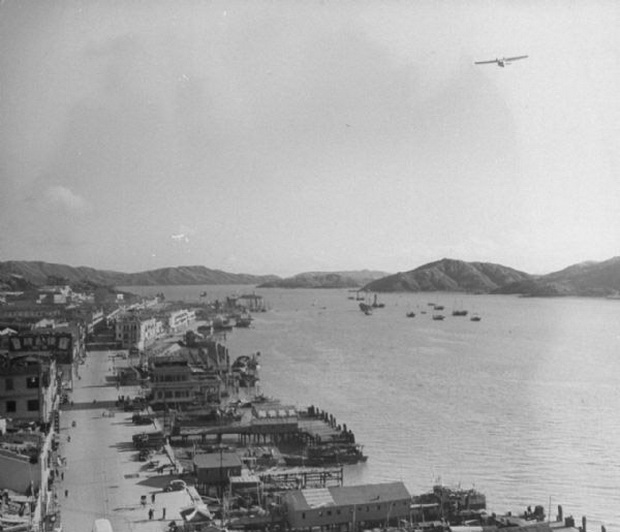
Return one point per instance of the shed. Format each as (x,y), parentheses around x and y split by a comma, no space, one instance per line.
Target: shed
(368,504)
(216,468)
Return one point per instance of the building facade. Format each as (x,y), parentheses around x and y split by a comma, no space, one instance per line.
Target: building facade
(133,330)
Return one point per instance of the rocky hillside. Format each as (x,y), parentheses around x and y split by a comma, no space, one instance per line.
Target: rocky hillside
(37,273)
(585,279)
(352,279)
(451,276)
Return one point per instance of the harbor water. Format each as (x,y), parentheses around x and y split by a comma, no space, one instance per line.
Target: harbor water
(523,405)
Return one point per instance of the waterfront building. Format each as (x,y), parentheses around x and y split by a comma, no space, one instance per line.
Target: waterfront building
(181,379)
(179,320)
(135,330)
(366,506)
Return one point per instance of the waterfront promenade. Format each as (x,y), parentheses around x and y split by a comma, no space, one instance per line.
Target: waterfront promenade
(101,476)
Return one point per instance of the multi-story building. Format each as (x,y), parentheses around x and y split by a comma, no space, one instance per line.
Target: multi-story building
(28,386)
(182,379)
(134,330)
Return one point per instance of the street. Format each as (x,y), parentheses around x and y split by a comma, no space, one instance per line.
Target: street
(101,476)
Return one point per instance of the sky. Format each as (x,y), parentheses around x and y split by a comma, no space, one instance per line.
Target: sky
(278,137)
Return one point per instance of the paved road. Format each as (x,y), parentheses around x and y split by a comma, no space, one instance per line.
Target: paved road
(102,476)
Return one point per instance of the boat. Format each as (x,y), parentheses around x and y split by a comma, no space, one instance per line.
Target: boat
(222,323)
(376,304)
(365,307)
(459,313)
(325,455)
(439,307)
(411,314)
(438,317)
(475,317)
(245,320)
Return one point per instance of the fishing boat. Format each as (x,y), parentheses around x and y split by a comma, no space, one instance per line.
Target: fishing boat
(475,317)
(438,317)
(376,304)
(365,307)
(411,314)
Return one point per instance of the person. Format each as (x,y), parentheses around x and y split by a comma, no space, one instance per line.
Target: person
(150,513)
(163,514)
(66,493)
(153,497)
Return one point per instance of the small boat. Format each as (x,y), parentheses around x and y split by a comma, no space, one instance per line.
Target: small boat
(411,314)
(376,304)
(475,317)
(438,317)
(245,320)
(439,307)
(459,313)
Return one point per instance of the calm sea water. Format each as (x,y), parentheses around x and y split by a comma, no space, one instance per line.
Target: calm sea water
(523,405)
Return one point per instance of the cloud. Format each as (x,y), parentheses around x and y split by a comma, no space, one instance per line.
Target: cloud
(66,199)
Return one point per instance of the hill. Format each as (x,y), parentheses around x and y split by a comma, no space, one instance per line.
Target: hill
(451,276)
(349,279)
(37,273)
(599,279)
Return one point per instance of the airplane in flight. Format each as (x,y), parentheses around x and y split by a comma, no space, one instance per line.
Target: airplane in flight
(501,61)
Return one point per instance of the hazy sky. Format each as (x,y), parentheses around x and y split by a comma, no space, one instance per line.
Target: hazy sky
(287,136)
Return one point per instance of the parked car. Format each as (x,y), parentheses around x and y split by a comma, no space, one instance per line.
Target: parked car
(176,485)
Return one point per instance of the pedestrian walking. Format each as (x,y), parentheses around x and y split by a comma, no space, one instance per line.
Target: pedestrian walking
(151,513)
(163,514)
(66,493)
(153,497)
(62,475)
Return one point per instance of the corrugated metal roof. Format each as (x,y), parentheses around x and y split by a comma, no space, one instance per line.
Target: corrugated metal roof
(348,495)
(318,497)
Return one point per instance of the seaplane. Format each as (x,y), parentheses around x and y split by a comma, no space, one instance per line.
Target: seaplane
(501,61)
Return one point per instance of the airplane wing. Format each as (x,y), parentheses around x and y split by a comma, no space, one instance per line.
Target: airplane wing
(485,62)
(515,58)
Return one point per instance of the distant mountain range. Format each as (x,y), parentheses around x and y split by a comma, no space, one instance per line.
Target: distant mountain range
(17,275)
(595,279)
(600,279)
(451,276)
(352,279)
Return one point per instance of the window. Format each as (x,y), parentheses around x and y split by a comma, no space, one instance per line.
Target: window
(9,385)
(33,405)
(32,382)
(11,406)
